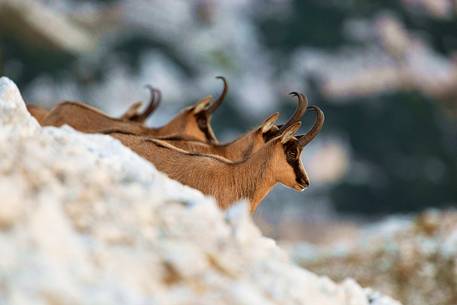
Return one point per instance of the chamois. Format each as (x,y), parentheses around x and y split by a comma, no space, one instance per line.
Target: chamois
(278,161)
(193,121)
(247,144)
(132,113)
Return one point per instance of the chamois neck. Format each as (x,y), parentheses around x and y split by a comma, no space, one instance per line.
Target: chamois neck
(178,120)
(254,176)
(240,148)
(177,124)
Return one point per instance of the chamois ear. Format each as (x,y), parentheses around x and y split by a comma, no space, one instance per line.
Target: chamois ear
(202,104)
(133,110)
(289,132)
(269,122)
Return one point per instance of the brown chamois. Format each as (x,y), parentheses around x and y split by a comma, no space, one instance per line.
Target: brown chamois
(278,161)
(132,113)
(247,144)
(193,121)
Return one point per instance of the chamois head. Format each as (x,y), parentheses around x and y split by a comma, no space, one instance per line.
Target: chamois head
(196,120)
(271,131)
(289,168)
(134,115)
(268,130)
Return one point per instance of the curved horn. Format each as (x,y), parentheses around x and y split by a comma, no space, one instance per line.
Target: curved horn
(299,111)
(221,98)
(154,102)
(318,123)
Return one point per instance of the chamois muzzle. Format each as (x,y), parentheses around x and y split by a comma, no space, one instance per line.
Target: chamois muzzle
(221,98)
(314,131)
(299,111)
(303,183)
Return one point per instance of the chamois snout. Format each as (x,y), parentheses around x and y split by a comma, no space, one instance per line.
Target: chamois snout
(302,182)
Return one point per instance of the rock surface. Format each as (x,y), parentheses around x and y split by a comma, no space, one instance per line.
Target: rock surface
(414,260)
(36,24)
(83,220)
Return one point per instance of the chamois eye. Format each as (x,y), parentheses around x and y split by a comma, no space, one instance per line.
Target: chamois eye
(292,154)
(201,122)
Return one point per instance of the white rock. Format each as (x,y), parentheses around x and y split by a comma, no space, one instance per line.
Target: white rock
(36,23)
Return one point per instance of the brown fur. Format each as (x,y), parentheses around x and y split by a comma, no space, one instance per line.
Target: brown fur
(239,149)
(38,112)
(88,119)
(227,181)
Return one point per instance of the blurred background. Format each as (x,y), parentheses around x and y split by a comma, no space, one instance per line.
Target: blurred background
(384,72)
(381,206)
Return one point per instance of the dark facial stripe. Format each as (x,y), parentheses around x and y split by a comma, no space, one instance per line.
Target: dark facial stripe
(203,125)
(300,178)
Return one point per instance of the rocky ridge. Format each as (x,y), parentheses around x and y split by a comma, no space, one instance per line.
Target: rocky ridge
(413,259)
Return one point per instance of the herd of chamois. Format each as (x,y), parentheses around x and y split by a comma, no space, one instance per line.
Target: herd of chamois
(187,150)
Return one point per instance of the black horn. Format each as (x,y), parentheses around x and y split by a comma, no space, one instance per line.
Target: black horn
(221,98)
(318,123)
(299,111)
(154,102)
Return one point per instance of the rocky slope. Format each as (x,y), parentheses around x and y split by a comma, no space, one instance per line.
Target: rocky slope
(414,260)
(83,220)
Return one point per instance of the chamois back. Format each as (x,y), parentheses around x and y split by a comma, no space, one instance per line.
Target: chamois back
(38,112)
(88,119)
